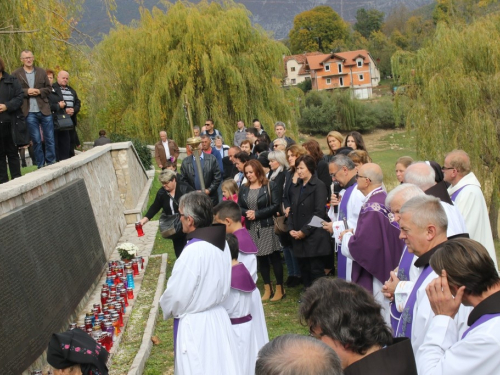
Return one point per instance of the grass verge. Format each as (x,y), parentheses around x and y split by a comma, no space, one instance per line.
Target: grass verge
(132,337)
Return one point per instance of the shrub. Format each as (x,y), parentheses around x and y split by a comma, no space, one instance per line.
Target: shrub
(140,147)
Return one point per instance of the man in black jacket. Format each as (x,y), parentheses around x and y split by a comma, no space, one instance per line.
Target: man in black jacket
(211,175)
(68,104)
(11,99)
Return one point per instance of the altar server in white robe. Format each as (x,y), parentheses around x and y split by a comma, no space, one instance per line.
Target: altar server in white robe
(468,277)
(238,306)
(465,192)
(422,175)
(349,201)
(229,214)
(423,224)
(204,340)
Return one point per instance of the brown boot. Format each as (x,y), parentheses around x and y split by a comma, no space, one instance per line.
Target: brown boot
(268,292)
(279,293)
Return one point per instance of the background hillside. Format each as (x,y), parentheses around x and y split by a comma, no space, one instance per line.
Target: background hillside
(273,15)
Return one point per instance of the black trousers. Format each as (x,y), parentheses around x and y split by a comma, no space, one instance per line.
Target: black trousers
(8,151)
(62,141)
(311,269)
(265,262)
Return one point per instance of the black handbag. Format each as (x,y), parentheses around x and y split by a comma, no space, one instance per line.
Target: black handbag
(19,129)
(170,226)
(63,122)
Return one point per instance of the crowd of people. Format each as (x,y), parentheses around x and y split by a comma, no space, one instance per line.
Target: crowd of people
(416,287)
(38,112)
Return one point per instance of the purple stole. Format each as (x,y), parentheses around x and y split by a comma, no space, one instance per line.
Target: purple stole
(406,320)
(246,244)
(403,275)
(176,320)
(241,279)
(480,321)
(455,194)
(341,259)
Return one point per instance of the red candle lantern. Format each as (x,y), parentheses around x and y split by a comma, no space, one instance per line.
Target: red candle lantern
(138,228)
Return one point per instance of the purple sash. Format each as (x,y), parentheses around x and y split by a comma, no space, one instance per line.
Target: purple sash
(403,275)
(480,321)
(241,320)
(455,194)
(341,259)
(406,320)
(176,328)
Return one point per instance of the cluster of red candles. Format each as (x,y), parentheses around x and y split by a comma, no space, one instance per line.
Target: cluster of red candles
(103,322)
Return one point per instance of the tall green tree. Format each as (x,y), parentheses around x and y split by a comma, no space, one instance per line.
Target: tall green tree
(317,29)
(451,96)
(368,21)
(210,52)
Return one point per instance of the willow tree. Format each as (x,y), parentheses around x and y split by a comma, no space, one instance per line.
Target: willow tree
(210,52)
(451,97)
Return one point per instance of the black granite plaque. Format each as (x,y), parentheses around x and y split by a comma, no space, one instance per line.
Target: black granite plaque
(51,253)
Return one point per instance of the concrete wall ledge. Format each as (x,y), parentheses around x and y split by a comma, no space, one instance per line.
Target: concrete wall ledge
(37,178)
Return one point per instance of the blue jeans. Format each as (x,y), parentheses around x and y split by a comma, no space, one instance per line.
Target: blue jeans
(34,120)
(291,262)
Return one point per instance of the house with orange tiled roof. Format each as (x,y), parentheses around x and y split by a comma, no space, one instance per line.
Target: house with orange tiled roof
(296,68)
(353,69)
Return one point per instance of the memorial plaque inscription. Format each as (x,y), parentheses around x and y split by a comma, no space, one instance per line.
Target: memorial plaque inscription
(51,254)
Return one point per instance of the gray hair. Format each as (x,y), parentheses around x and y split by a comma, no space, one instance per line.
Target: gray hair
(407,191)
(196,127)
(293,354)
(343,161)
(279,123)
(167,175)
(426,210)
(279,156)
(26,51)
(420,174)
(198,206)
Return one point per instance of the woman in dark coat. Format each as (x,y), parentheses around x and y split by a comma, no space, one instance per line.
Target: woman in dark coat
(168,198)
(322,172)
(309,244)
(259,201)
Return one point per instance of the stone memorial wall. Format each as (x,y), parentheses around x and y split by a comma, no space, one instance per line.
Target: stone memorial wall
(58,226)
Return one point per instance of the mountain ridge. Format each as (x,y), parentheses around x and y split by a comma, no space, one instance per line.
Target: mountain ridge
(275,16)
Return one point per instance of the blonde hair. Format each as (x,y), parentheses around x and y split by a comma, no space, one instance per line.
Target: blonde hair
(230,185)
(336,135)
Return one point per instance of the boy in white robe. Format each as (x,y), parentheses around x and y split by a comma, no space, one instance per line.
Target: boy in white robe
(201,278)
(238,306)
(227,213)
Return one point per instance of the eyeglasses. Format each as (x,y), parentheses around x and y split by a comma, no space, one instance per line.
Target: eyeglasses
(332,175)
(358,176)
(27,58)
(208,124)
(443,168)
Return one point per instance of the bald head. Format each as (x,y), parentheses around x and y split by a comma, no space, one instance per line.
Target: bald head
(297,355)
(373,172)
(420,174)
(63,78)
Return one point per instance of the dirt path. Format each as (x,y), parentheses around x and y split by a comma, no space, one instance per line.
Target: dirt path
(373,140)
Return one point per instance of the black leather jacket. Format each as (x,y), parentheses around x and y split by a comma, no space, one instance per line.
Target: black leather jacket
(267,205)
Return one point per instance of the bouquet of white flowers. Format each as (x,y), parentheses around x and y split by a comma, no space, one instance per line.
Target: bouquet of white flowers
(127,250)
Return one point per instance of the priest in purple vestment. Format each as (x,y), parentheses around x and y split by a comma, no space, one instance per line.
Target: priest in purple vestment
(374,247)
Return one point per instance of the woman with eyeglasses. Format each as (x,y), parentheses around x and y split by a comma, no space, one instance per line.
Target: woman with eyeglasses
(168,197)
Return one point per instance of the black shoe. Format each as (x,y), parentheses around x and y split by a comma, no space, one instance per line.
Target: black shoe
(289,281)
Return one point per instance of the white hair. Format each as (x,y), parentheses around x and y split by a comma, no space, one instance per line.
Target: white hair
(406,191)
(420,174)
